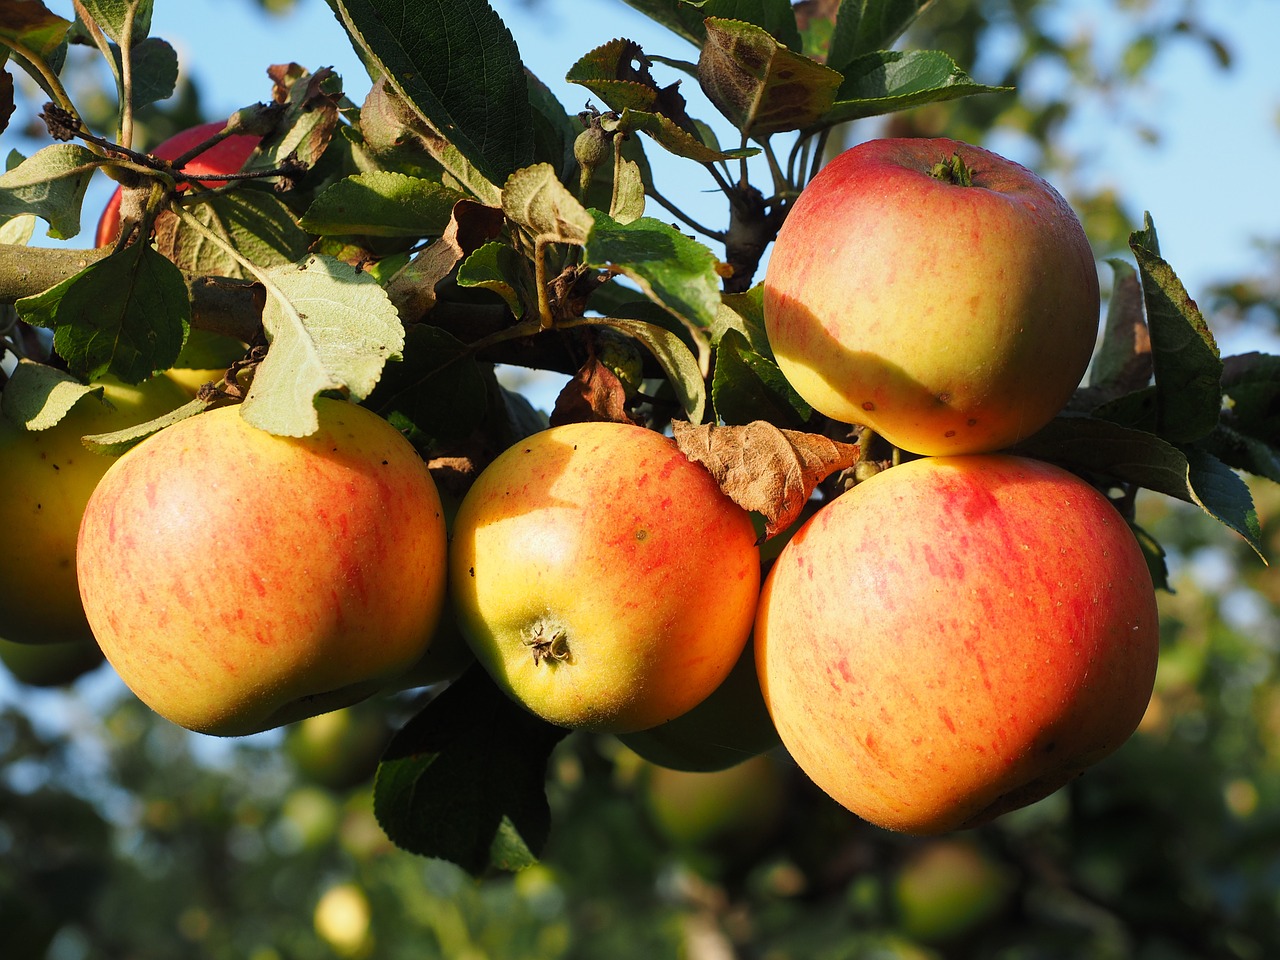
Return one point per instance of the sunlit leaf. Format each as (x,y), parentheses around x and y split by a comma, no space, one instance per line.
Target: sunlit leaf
(37,396)
(113,17)
(50,184)
(865,26)
(889,81)
(382,203)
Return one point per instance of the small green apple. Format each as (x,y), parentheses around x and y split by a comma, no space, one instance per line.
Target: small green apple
(50,664)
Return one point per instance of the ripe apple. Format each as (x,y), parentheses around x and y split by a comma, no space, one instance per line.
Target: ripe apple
(225,156)
(935,292)
(46,477)
(602,578)
(955,638)
(50,664)
(238,580)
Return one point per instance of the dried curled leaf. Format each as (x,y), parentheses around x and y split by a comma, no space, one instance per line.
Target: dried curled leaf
(594,393)
(763,468)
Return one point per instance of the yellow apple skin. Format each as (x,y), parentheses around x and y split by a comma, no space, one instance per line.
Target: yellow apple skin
(955,638)
(46,477)
(949,319)
(238,581)
(50,664)
(602,578)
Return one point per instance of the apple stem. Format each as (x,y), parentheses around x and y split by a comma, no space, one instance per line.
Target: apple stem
(953,170)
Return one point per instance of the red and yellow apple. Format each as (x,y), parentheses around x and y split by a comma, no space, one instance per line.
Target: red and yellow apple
(46,477)
(955,638)
(226,156)
(602,578)
(238,580)
(935,292)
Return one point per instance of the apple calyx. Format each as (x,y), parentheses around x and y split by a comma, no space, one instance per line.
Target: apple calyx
(953,170)
(549,643)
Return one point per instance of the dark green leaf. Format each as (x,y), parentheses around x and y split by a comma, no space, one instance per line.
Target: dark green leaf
(464,779)
(760,85)
(382,204)
(438,390)
(865,26)
(685,19)
(1188,369)
(1154,554)
(113,16)
(478,100)
(1123,360)
(126,315)
(1117,454)
(155,70)
(747,387)
(1251,394)
(51,185)
(1245,452)
(7,103)
(674,270)
(888,81)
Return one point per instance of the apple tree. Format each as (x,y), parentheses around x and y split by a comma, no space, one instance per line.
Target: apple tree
(397,249)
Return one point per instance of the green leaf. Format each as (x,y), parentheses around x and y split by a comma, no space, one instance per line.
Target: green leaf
(618,73)
(629,200)
(867,26)
(330,327)
(1123,360)
(888,81)
(126,315)
(34,26)
(113,16)
(116,442)
(676,140)
(1099,448)
(439,391)
(1251,391)
(1188,368)
(51,185)
(498,268)
(477,100)
(254,222)
(760,85)
(1244,452)
(382,204)
(38,396)
(685,17)
(747,387)
(675,271)
(535,199)
(464,780)
(673,355)
(744,312)
(155,70)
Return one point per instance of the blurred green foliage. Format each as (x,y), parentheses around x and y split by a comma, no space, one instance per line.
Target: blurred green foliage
(124,837)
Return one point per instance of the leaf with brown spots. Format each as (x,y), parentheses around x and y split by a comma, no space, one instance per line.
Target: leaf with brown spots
(413,288)
(763,468)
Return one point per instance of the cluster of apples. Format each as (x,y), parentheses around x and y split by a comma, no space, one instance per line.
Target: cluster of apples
(955,637)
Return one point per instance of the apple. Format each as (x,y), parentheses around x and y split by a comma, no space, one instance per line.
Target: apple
(935,292)
(225,156)
(730,726)
(339,749)
(732,808)
(238,580)
(46,477)
(602,578)
(946,888)
(49,664)
(955,638)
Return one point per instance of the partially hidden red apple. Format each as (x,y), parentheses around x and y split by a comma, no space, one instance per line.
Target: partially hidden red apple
(955,638)
(938,293)
(225,156)
(237,580)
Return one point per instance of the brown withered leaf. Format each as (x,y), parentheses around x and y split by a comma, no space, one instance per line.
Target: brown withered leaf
(413,288)
(594,393)
(764,468)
